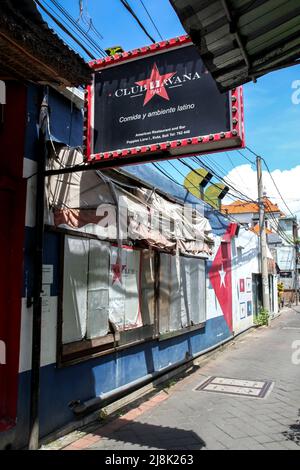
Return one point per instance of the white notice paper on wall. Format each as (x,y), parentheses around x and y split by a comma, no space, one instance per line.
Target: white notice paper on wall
(46,304)
(47,273)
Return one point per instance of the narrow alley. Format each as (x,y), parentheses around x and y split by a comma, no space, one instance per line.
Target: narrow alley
(185,418)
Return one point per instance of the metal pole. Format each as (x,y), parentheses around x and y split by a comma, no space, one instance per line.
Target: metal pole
(37,300)
(263,239)
(296,268)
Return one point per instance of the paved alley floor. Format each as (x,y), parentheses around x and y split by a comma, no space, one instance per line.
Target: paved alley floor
(185,418)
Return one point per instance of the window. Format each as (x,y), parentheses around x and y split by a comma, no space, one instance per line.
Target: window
(114,297)
(182,299)
(102,287)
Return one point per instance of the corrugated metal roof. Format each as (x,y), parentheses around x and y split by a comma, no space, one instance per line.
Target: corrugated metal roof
(30,50)
(241,40)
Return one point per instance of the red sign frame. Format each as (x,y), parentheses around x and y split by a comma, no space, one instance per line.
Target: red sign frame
(218,142)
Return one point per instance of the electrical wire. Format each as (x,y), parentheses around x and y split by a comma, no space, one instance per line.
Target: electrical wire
(237,171)
(241,195)
(278,229)
(268,169)
(189,181)
(223,175)
(151,19)
(76,25)
(64,29)
(87,38)
(246,158)
(133,14)
(216,211)
(86,18)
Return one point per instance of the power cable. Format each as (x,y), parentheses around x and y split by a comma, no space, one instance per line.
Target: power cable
(223,173)
(86,18)
(151,19)
(78,27)
(246,158)
(64,29)
(236,169)
(88,38)
(226,181)
(268,169)
(278,229)
(216,211)
(130,10)
(189,181)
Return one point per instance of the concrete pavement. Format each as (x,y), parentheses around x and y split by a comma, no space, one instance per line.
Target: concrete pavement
(183,418)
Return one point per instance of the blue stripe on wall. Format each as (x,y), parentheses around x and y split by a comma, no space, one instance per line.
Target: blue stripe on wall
(51,255)
(88,379)
(29,252)
(33,110)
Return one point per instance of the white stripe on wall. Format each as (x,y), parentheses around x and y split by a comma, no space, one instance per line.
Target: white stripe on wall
(29,169)
(49,326)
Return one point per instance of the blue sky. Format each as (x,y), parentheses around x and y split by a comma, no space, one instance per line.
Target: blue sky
(272,121)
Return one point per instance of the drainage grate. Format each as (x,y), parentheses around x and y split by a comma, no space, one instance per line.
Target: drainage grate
(247,388)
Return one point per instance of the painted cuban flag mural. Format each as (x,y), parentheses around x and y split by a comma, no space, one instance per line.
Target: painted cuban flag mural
(220,275)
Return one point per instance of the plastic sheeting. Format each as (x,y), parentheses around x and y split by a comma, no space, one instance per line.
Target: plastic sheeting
(84,201)
(124,285)
(100,288)
(182,300)
(98,299)
(75,289)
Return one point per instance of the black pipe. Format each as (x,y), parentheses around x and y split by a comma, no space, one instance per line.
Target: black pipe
(81,409)
(37,299)
(96,403)
(108,163)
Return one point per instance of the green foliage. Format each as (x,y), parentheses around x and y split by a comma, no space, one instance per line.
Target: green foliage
(262,318)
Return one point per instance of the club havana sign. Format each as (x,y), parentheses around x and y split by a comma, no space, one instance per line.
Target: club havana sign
(158,102)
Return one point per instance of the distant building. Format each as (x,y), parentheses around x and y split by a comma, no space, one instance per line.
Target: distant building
(282,233)
(247,213)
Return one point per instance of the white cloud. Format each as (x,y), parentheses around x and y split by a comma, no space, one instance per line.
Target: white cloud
(244,178)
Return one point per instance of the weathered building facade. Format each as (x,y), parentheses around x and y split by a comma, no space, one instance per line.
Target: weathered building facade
(117,310)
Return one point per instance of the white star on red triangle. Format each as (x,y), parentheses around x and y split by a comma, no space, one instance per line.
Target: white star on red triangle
(117,270)
(222,277)
(155,85)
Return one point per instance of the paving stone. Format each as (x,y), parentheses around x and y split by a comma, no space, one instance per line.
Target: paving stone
(275,446)
(189,419)
(265,439)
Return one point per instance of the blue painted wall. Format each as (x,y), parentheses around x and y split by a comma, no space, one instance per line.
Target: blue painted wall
(61,386)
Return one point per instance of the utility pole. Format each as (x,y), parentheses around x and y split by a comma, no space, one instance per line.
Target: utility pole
(262,239)
(295,238)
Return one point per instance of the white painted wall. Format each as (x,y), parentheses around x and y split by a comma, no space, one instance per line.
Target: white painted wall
(244,263)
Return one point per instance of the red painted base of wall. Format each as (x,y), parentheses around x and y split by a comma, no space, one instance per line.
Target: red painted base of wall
(12,211)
